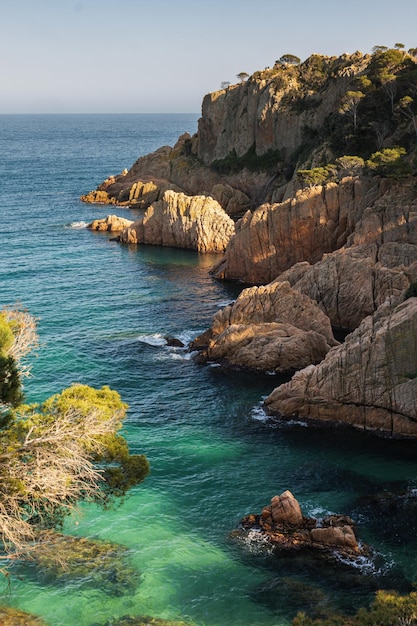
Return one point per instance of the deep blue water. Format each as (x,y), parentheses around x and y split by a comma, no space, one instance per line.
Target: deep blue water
(103,311)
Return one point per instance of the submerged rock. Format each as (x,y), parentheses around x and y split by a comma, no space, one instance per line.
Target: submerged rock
(142,620)
(64,558)
(14,617)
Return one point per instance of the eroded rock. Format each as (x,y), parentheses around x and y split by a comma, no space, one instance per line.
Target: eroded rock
(111,223)
(181,221)
(369,382)
(287,529)
(271,327)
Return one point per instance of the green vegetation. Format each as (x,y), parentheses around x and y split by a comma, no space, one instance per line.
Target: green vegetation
(373,118)
(251,161)
(389,163)
(54,455)
(388,609)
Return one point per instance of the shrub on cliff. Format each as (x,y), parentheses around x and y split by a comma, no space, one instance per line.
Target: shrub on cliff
(390,163)
(317,175)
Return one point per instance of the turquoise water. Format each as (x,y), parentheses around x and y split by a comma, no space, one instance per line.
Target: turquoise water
(103,313)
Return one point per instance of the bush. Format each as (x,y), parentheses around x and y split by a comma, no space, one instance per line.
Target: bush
(389,163)
(317,175)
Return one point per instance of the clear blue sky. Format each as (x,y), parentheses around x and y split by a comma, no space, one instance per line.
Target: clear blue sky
(128,56)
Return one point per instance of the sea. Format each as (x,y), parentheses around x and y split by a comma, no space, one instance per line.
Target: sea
(104,312)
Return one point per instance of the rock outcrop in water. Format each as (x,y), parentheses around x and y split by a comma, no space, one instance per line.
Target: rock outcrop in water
(284,526)
(110,224)
(268,328)
(180,221)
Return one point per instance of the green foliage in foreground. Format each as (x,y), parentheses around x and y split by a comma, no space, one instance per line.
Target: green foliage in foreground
(388,609)
(56,454)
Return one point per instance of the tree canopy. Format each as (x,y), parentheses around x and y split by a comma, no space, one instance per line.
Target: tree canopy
(55,454)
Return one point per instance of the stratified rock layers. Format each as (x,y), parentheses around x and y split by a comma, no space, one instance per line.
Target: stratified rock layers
(181,221)
(369,382)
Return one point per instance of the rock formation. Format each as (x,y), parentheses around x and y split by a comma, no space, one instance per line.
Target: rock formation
(319,220)
(369,382)
(181,221)
(286,529)
(332,237)
(352,283)
(111,224)
(268,328)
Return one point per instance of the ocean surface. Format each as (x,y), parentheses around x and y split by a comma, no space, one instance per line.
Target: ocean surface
(103,313)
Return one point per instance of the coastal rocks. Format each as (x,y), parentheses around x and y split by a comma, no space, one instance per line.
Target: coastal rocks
(177,170)
(284,526)
(352,283)
(111,223)
(369,382)
(268,328)
(274,237)
(181,221)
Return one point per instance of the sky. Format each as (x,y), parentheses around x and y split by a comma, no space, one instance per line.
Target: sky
(163,56)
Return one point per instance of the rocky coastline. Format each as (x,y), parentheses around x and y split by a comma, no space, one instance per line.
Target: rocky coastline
(322,240)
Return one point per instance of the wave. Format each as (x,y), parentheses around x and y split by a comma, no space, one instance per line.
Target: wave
(156,340)
(77,225)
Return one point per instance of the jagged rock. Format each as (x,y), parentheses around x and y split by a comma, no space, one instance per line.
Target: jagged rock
(284,509)
(174,169)
(99,196)
(270,327)
(182,221)
(231,199)
(286,529)
(275,237)
(352,283)
(111,223)
(369,382)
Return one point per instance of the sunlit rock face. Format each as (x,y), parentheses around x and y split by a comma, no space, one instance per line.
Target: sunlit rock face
(180,221)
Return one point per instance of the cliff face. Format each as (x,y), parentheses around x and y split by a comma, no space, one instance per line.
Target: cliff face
(181,221)
(369,382)
(320,160)
(257,115)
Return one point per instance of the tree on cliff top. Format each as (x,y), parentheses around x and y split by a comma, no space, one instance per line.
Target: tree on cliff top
(56,454)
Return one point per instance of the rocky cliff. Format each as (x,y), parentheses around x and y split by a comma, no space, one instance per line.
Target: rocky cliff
(370,381)
(316,163)
(181,221)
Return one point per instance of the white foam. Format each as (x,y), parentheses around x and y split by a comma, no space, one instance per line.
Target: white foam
(77,225)
(157,340)
(259,414)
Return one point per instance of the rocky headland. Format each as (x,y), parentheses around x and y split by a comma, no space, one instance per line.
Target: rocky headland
(304,178)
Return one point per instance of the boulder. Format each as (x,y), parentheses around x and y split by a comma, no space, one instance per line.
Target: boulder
(284,509)
(181,221)
(268,328)
(285,528)
(111,223)
(369,382)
